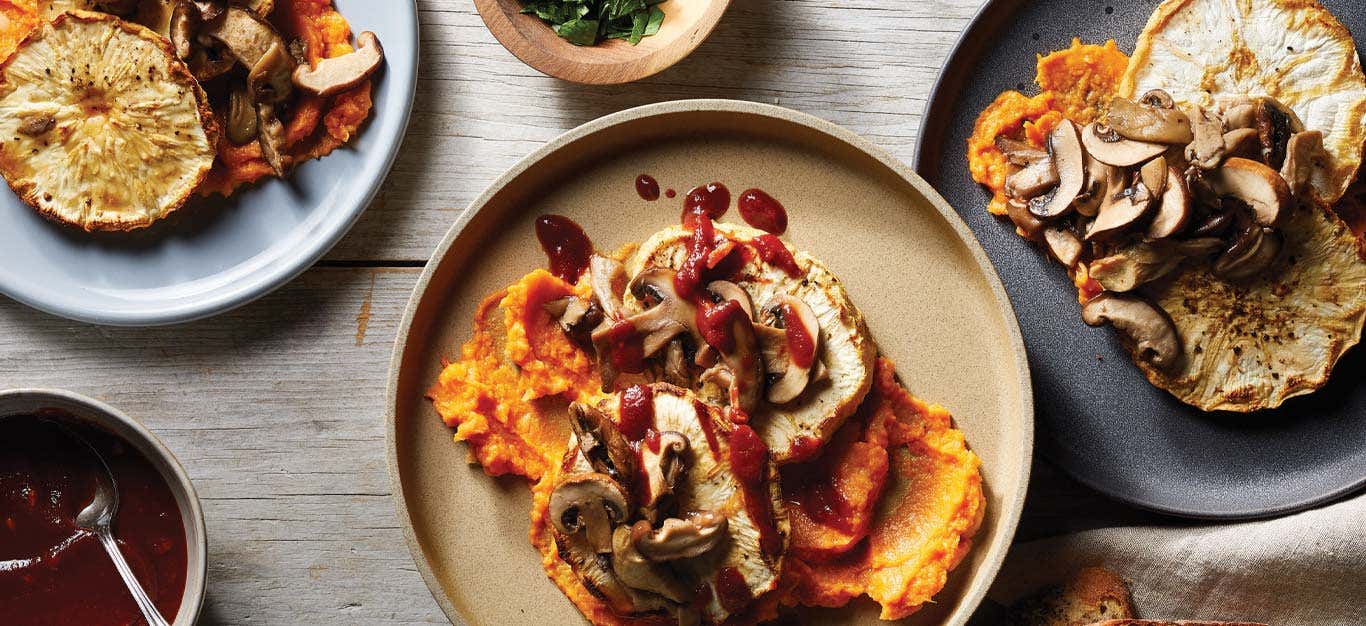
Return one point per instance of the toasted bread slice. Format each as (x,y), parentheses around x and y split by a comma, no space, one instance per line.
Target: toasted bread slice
(1092,595)
(846,350)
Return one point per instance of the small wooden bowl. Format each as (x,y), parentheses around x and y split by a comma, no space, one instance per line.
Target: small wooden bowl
(686,24)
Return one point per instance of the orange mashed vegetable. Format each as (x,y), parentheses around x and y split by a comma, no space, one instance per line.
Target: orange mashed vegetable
(1073,84)
(506,398)
(922,528)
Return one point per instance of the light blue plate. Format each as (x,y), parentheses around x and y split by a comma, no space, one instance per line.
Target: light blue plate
(215,255)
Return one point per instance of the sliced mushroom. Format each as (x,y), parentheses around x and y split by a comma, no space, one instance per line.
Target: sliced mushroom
(1174,211)
(1120,211)
(1065,151)
(1157,98)
(1032,180)
(1111,148)
(1268,248)
(1154,176)
(242,124)
(1019,152)
(1241,114)
(608,279)
(1207,149)
(259,7)
(1064,245)
(668,315)
(1275,124)
(591,504)
(602,444)
(723,290)
(1029,225)
(1242,142)
(676,368)
(337,74)
(1257,185)
(184,24)
(1301,154)
(663,465)
(683,538)
(1214,223)
(1098,176)
(271,137)
(577,317)
(1145,325)
(255,44)
(1148,123)
(1241,252)
(783,312)
(269,78)
(1133,267)
(740,368)
(638,571)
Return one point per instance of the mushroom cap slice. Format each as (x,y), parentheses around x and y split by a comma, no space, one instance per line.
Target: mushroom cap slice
(1146,327)
(127,134)
(1064,146)
(1143,122)
(797,320)
(1209,52)
(589,503)
(1119,212)
(337,74)
(1254,342)
(847,351)
(1174,210)
(682,538)
(1064,245)
(1111,148)
(1256,184)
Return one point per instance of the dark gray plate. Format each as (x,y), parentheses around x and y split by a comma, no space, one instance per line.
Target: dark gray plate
(1098,417)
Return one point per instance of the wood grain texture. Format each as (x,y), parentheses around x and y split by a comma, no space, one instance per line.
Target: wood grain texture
(276,409)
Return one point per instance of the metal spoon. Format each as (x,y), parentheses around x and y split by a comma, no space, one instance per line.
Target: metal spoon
(97,516)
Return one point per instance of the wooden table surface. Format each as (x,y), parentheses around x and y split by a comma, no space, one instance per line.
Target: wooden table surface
(276,409)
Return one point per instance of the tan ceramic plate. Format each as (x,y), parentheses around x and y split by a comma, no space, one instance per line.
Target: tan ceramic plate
(931,299)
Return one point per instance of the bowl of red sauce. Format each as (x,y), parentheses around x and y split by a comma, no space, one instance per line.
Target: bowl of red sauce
(51,571)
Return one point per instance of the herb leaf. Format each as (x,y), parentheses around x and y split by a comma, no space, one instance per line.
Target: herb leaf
(587,22)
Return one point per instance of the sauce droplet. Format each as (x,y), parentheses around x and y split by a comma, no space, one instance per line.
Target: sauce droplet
(763,212)
(772,251)
(669,193)
(713,198)
(637,413)
(731,590)
(566,246)
(647,187)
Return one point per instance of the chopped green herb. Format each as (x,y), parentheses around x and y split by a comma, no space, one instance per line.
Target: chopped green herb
(587,22)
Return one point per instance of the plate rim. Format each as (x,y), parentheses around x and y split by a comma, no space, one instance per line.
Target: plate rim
(262,282)
(1046,445)
(1010,516)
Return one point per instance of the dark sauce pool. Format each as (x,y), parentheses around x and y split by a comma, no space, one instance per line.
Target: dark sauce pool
(53,573)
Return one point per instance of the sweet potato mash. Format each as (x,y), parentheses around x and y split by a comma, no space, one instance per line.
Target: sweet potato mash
(924,523)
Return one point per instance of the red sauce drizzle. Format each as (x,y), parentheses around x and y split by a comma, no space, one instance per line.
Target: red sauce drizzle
(565,245)
(748,455)
(731,590)
(58,574)
(826,505)
(647,187)
(761,211)
(717,324)
(800,344)
(638,413)
(772,251)
(688,280)
(669,193)
(804,449)
(626,348)
(707,428)
(711,198)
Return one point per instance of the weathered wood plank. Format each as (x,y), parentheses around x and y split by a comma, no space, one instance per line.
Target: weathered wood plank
(864,64)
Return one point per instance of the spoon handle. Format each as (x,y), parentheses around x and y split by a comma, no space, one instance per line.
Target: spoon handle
(149,610)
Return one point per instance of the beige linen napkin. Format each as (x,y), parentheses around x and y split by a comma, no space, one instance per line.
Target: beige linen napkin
(1305,569)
